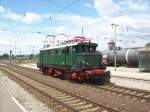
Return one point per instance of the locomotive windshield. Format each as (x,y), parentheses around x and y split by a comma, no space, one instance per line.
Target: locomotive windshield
(85,49)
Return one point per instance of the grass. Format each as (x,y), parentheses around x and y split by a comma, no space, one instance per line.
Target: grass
(24,61)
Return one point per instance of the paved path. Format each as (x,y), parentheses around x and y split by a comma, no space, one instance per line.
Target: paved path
(133,78)
(129,72)
(8,103)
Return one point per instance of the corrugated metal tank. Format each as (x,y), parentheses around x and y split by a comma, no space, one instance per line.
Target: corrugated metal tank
(144,63)
(120,57)
(124,56)
(132,57)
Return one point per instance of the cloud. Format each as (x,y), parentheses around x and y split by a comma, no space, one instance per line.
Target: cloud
(28,17)
(106,8)
(130,15)
(24,41)
(127,14)
(131,5)
(5,40)
(137,6)
(76,20)
(138,28)
(2,10)
(31,17)
(112,8)
(139,23)
(87,5)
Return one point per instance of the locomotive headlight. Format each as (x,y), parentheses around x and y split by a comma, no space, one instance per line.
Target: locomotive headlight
(83,61)
(87,63)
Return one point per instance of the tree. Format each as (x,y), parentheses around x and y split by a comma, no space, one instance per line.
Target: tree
(148,44)
(31,56)
(5,56)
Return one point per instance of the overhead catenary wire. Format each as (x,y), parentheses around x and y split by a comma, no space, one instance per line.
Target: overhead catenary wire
(65,8)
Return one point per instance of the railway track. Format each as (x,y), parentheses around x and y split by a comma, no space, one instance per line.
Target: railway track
(135,93)
(72,102)
(25,68)
(122,92)
(140,94)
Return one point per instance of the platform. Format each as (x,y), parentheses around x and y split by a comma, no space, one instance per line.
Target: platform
(30,65)
(130,78)
(9,103)
(129,73)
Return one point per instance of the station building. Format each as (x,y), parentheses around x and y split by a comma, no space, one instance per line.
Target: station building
(144,59)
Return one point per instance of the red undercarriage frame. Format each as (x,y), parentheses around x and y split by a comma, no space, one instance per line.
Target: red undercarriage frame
(88,74)
(83,75)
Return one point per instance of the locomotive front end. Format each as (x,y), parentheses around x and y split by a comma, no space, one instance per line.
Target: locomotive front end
(88,64)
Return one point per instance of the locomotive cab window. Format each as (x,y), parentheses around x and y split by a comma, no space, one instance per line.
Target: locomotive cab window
(85,49)
(92,49)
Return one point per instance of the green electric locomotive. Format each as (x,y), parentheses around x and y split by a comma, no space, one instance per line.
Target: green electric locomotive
(76,59)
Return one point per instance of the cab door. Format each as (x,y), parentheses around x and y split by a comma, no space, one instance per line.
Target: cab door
(68,56)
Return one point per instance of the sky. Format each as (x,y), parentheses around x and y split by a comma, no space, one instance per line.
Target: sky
(25,24)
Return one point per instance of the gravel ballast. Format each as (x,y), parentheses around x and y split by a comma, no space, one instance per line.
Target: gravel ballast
(113,100)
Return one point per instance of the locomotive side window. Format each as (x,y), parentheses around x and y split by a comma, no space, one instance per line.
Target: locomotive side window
(78,49)
(56,51)
(52,52)
(65,50)
(49,52)
(44,52)
(74,48)
(41,52)
(85,49)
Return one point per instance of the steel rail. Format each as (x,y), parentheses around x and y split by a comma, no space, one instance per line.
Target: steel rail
(138,93)
(74,95)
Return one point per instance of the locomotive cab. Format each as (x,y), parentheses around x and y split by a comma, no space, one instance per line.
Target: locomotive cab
(85,55)
(87,63)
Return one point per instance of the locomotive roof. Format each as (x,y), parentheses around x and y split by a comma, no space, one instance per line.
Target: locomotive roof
(62,46)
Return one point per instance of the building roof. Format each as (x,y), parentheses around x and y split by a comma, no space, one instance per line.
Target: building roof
(144,50)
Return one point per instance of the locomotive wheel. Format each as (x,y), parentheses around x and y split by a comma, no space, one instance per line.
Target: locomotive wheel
(62,76)
(50,71)
(106,78)
(44,70)
(74,76)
